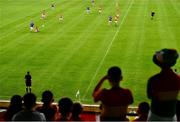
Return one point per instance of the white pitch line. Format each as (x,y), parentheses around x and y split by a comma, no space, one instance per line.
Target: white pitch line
(107,51)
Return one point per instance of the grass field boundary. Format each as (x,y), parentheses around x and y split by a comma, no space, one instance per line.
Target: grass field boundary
(108,48)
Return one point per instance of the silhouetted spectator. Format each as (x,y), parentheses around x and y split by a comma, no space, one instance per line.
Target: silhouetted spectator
(163,88)
(48,108)
(65,108)
(76,111)
(28,82)
(29,114)
(14,107)
(143,110)
(115,100)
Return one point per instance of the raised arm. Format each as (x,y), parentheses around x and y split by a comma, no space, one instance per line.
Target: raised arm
(98,88)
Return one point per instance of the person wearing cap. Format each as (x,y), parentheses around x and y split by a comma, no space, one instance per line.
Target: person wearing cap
(163,87)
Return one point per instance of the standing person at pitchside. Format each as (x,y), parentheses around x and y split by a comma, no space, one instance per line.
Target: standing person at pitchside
(28,82)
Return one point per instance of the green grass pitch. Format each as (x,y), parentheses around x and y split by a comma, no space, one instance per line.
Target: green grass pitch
(74,54)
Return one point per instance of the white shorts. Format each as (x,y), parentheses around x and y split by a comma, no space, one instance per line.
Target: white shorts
(88,11)
(60,18)
(31,28)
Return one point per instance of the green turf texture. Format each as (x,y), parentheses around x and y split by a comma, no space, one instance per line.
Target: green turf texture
(73,55)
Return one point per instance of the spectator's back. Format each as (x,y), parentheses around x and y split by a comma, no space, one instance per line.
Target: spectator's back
(48,108)
(163,88)
(115,100)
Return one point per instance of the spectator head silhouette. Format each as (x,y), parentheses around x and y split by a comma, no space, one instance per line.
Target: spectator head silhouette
(14,107)
(47,97)
(165,58)
(114,75)
(77,109)
(29,100)
(16,100)
(143,108)
(65,106)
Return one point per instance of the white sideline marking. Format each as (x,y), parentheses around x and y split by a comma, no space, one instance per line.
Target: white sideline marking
(107,51)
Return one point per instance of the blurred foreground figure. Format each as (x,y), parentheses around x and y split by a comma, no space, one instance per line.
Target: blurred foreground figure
(163,88)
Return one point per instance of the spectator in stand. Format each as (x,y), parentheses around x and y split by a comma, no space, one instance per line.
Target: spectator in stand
(14,107)
(115,100)
(50,111)
(143,109)
(163,88)
(76,111)
(29,114)
(65,108)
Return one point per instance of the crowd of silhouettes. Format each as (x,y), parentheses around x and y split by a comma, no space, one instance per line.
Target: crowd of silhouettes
(162,90)
(29,113)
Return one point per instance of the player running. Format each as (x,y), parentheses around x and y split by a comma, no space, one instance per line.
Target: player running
(31,26)
(61,18)
(36,29)
(110,20)
(116,18)
(117,15)
(28,82)
(100,10)
(43,14)
(93,2)
(152,15)
(52,6)
(88,10)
